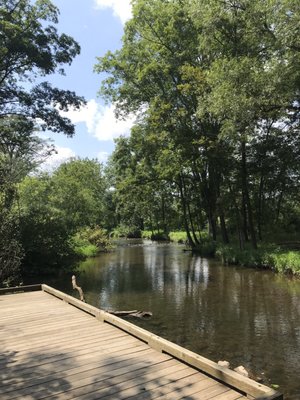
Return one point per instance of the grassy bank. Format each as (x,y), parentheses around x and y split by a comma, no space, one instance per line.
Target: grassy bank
(266,256)
(86,250)
(177,237)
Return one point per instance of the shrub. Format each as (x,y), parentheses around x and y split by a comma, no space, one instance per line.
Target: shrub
(284,261)
(89,242)
(11,251)
(206,248)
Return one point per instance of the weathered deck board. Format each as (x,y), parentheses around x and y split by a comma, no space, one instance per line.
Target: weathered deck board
(51,350)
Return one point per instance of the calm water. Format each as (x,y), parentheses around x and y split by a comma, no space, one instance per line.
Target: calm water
(244,316)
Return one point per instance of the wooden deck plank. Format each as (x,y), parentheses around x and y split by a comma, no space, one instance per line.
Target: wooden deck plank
(52,333)
(51,350)
(114,384)
(121,364)
(60,341)
(61,368)
(51,337)
(153,388)
(117,340)
(228,396)
(49,358)
(175,383)
(198,390)
(83,380)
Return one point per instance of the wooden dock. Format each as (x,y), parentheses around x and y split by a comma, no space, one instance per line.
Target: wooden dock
(54,346)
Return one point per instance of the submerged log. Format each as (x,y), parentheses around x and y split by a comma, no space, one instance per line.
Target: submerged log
(131,313)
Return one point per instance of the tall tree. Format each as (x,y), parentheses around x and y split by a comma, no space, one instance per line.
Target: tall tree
(152,75)
(216,85)
(253,84)
(30,49)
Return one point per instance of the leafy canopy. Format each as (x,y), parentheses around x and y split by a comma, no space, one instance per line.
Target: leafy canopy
(31,47)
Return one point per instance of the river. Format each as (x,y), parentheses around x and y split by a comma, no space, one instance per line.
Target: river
(245,316)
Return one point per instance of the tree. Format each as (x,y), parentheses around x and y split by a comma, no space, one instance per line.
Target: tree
(30,49)
(44,234)
(11,252)
(216,86)
(155,74)
(79,189)
(55,207)
(142,196)
(253,91)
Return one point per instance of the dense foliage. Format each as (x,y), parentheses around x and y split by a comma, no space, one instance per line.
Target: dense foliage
(215,86)
(30,48)
(214,152)
(55,210)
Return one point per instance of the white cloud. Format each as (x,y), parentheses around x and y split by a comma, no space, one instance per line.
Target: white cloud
(121,8)
(107,127)
(103,156)
(61,155)
(84,114)
(101,121)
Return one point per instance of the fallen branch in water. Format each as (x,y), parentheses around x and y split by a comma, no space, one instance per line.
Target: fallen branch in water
(132,313)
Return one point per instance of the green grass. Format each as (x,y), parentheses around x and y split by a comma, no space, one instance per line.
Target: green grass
(123,231)
(175,236)
(88,250)
(266,256)
(284,261)
(146,234)
(154,235)
(178,236)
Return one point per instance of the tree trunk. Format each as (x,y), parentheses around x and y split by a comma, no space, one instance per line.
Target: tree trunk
(212,226)
(238,219)
(278,208)
(163,212)
(260,206)
(195,239)
(245,218)
(245,189)
(184,208)
(224,232)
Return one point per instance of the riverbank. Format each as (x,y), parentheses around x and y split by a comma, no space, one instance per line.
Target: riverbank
(266,256)
(278,258)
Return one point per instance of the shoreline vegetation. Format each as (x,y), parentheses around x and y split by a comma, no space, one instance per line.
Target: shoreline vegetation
(89,242)
(280,258)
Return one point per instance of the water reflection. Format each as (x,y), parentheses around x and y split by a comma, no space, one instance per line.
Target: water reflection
(247,317)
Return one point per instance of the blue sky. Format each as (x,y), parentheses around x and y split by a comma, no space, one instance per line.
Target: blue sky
(97,25)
